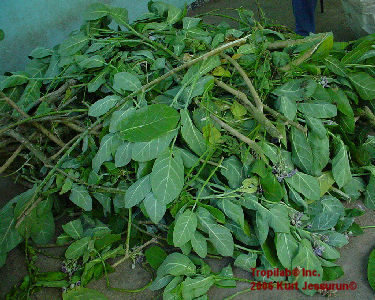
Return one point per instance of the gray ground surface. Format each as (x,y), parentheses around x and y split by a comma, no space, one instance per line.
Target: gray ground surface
(353,256)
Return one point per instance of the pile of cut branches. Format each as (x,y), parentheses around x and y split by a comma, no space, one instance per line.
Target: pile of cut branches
(207,140)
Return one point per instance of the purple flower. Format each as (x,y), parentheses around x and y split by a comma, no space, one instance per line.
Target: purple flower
(318,250)
(78,283)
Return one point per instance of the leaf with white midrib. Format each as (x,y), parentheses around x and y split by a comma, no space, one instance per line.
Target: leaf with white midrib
(192,136)
(137,191)
(199,244)
(184,228)
(222,239)
(167,177)
(154,207)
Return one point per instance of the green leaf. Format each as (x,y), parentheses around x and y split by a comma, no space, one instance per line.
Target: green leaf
(354,188)
(155,256)
(332,273)
(326,213)
(370,193)
(30,95)
(305,184)
(335,66)
(192,136)
(364,85)
(199,244)
(287,248)
(167,177)
(301,151)
(189,22)
(318,110)
(89,62)
(81,197)
(278,218)
(81,293)
(118,116)
(342,102)
(101,106)
(43,228)
(296,89)
(77,249)
(222,239)
(125,81)
(9,235)
(74,229)
(273,191)
(320,152)
(232,171)
(262,227)
(194,288)
(108,145)
(145,151)
(188,158)
(119,15)
(95,11)
(137,192)
(306,259)
(325,182)
(73,44)
(177,264)
(123,154)
(155,208)
(288,107)
(175,14)
(148,123)
(316,126)
(233,211)
(184,229)
(371,269)
(97,81)
(246,261)
(341,167)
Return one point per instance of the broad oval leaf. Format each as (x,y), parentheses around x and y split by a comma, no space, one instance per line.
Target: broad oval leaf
(370,193)
(301,151)
(81,197)
(77,249)
(184,228)
(125,81)
(371,269)
(233,171)
(154,208)
(341,167)
(192,136)
(108,146)
(101,106)
(82,293)
(287,248)
(148,123)
(318,110)
(364,84)
(177,264)
(123,154)
(222,239)
(167,177)
(199,244)
(137,192)
(145,151)
(73,44)
(74,229)
(305,184)
(95,11)
(326,213)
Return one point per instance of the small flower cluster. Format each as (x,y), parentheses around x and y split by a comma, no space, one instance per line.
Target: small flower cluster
(318,250)
(69,267)
(296,219)
(72,286)
(323,81)
(281,173)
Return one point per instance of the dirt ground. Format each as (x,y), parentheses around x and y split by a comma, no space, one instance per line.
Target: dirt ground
(353,256)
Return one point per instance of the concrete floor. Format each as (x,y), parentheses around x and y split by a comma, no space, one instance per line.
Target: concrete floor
(353,256)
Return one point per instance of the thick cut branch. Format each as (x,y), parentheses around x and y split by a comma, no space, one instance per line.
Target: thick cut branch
(238,135)
(284,44)
(247,80)
(46,132)
(258,115)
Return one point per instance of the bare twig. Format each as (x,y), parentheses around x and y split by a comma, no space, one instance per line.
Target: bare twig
(247,80)
(13,156)
(258,115)
(238,135)
(46,132)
